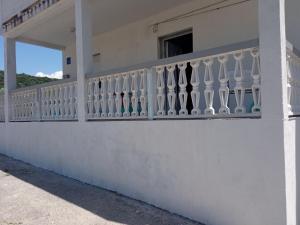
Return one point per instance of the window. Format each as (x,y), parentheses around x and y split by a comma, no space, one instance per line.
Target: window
(69,61)
(176,44)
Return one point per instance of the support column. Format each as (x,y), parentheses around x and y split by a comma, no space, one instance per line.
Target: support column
(83,51)
(272,37)
(9,73)
(272,29)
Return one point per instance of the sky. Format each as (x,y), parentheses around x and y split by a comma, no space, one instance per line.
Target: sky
(35,60)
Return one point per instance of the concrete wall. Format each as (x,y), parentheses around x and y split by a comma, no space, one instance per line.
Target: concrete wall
(136,43)
(295,123)
(220,172)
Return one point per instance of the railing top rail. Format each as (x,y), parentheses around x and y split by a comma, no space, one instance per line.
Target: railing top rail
(186,57)
(116,72)
(48,84)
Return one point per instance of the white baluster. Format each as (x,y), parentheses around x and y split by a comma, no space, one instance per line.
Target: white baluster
(56,88)
(90,106)
(209,90)
(72,100)
(42,103)
(171,83)
(160,91)
(239,78)
(25,105)
(143,90)
(48,94)
(293,85)
(256,87)
(61,102)
(20,106)
(126,99)
(118,97)
(66,102)
(103,100)
(17,105)
(224,90)
(134,91)
(37,105)
(75,97)
(32,104)
(96,97)
(12,99)
(52,100)
(183,95)
(111,101)
(195,94)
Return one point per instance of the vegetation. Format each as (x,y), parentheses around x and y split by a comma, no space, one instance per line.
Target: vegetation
(25,80)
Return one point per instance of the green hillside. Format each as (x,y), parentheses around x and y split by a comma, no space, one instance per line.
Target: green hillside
(24,80)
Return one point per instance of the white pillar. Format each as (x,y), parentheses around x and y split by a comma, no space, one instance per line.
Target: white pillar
(83,51)
(9,72)
(272,37)
(272,29)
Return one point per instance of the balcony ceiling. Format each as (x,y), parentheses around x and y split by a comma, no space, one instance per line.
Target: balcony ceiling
(58,28)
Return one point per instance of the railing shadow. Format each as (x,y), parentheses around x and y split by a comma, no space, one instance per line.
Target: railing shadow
(105,204)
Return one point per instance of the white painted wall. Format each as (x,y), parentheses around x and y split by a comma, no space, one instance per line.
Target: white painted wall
(220,172)
(136,43)
(295,125)
(70,51)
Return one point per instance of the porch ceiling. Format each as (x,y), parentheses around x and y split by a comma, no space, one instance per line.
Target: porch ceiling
(58,30)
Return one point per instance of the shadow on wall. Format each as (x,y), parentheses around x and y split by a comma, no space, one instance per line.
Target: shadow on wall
(103,203)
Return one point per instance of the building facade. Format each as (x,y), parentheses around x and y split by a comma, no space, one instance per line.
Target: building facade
(190,105)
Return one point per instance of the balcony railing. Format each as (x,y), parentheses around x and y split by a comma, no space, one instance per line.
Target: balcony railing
(222,85)
(226,84)
(293,73)
(2,115)
(27,13)
(45,103)
(118,96)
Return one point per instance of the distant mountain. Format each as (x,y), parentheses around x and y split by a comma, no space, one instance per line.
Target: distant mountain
(25,80)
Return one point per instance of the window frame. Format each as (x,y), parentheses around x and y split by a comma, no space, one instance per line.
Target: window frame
(162,48)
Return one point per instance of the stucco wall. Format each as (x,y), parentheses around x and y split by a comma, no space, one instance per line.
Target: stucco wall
(296,125)
(220,172)
(136,43)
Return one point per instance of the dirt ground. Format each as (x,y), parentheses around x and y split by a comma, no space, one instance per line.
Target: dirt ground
(33,196)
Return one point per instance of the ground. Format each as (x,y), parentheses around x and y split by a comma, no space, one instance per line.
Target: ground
(33,196)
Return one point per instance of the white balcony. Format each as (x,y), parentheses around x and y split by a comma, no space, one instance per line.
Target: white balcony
(211,133)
